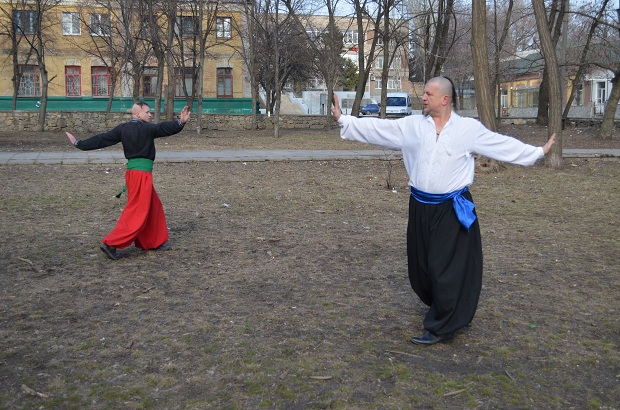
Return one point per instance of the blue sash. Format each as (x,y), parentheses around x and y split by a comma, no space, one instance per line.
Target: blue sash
(463,207)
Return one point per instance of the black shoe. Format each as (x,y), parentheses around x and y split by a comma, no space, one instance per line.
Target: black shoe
(164,247)
(109,250)
(429,338)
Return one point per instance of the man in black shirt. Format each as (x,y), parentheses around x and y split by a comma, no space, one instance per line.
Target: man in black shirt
(142,221)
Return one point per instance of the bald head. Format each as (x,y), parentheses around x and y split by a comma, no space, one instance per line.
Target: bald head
(141,111)
(444,86)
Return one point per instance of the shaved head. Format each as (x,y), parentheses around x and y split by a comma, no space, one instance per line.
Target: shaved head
(138,107)
(444,86)
(141,111)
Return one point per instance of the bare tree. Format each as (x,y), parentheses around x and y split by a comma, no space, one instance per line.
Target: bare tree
(606,56)
(364,22)
(247,50)
(32,20)
(327,51)
(499,37)
(434,35)
(160,24)
(458,66)
(170,9)
(394,36)
(207,25)
(480,54)
(582,60)
(107,41)
(9,26)
(555,19)
(278,89)
(554,159)
(137,49)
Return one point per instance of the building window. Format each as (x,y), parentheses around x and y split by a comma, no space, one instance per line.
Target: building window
(397,63)
(149,81)
(25,21)
(313,33)
(313,83)
(183,76)
(186,26)
(71,24)
(224,83)
(578,100)
(525,98)
(378,83)
(504,98)
(222,27)
(100,24)
(393,83)
(101,82)
(379,62)
(73,81)
(350,37)
(145,26)
(30,81)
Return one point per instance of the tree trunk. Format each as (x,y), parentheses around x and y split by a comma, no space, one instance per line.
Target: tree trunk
(607,126)
(554,159)
(480,54)
(276,117)
(43,107)
(542,117)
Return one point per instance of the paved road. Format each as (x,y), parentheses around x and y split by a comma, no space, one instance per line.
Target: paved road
(113,157)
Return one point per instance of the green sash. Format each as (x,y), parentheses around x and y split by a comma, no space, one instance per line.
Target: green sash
(137,164)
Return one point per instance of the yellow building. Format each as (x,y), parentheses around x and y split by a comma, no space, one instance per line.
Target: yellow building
(90,53)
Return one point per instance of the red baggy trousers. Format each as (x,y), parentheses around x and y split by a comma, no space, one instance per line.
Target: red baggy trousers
(143,220)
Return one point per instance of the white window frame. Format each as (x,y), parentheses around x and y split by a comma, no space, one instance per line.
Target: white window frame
(397,63)
(313,33)
(71,25)
(99,26)
(379,62)
(223,27)
(393,83)
(350,37)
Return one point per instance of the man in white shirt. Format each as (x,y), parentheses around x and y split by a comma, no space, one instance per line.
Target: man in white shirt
(444,248)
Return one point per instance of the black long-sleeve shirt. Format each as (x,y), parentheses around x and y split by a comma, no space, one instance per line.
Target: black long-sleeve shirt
(138,137)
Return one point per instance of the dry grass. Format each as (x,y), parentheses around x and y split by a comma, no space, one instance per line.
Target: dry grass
(287,288)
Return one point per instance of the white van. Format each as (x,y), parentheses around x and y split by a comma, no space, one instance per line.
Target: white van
(397,104)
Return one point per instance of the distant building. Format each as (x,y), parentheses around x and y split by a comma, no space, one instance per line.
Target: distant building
(520,83)
(314,94)
(83,44)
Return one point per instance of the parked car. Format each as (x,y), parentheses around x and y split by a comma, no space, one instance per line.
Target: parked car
(397,105)
(370,109)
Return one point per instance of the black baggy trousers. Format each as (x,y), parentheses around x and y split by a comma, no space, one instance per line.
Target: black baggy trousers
(445,265)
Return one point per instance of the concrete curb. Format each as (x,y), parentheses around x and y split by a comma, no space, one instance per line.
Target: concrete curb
(117,157)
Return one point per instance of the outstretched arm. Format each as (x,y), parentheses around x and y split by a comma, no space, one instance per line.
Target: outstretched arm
(336,111)
(549,144)
(185,115)
(71,138)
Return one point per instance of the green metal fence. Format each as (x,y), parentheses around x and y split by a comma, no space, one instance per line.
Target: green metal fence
(122,104)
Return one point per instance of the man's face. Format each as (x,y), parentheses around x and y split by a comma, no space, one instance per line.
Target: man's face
(432,99)
(145,113)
